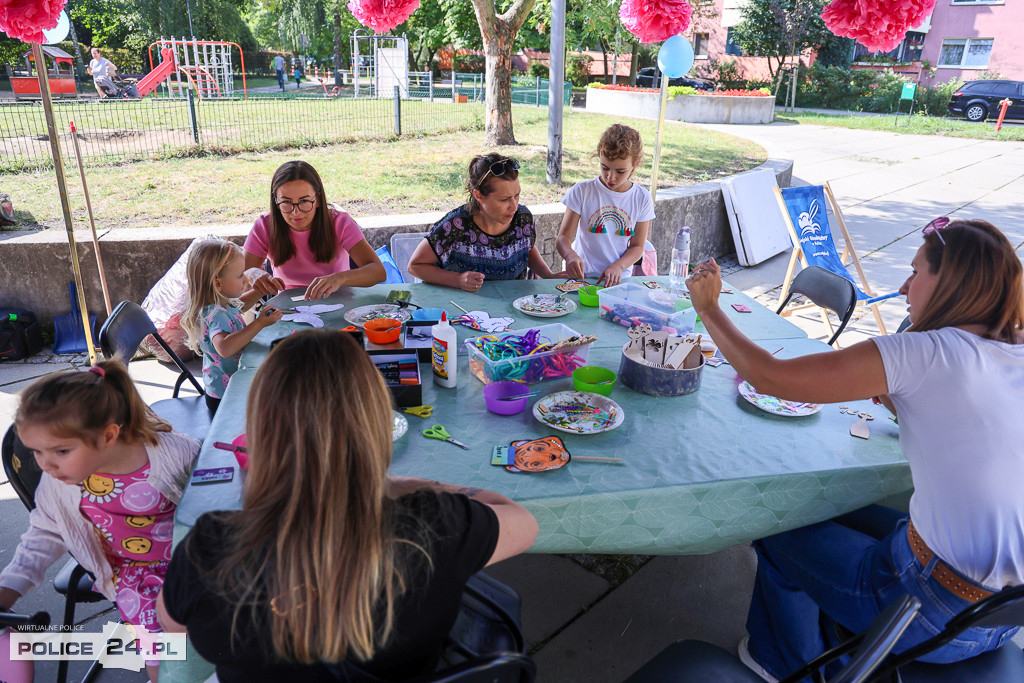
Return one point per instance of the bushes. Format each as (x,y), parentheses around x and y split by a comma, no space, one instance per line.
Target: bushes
(539,69)
(577,69)
(469,64)
(833,87)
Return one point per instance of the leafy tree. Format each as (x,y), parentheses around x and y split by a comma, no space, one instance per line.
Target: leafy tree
(779,28)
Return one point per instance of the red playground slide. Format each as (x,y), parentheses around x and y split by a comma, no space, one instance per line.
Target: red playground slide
(155,77)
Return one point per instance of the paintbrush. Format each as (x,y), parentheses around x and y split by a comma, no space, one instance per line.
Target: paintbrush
(459,307)
(595,459)
(519,396)
(229,447)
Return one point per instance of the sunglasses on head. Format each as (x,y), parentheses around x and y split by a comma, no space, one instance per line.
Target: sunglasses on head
(936,226)
(500,168)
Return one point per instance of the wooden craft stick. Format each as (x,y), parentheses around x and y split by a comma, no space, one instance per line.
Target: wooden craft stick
(595,459)
(459,307)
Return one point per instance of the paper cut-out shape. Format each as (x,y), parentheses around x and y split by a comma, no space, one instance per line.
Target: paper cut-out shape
(538,455)
(309,315)
(481,320)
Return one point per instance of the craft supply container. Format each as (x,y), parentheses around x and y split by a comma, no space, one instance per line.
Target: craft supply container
(506,398)
(628,304)
(659,381)
(530,369)
(405,395)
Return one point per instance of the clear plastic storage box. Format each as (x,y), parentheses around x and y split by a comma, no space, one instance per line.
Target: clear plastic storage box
(629,304)
(537,367)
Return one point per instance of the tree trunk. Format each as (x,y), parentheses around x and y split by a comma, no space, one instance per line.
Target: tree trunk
(498,103)
(604,56)
(498,33)
(633,63)
(338,41)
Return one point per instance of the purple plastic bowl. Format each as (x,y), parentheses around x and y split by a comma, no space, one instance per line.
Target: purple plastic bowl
(503,389)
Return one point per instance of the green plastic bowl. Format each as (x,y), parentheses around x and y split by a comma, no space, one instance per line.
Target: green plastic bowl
(588,295)
(592,378)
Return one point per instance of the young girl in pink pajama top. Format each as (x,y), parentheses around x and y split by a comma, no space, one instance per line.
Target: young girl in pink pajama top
(113,476)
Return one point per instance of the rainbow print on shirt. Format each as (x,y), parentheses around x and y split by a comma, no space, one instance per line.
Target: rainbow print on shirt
(610,220)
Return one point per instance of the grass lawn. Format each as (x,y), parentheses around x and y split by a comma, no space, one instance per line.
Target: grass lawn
(410,174)
(915,125)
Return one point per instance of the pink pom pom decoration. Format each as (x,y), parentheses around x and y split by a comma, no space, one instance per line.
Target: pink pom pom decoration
(26,20)
(878,25)
(381,15)
(653,21)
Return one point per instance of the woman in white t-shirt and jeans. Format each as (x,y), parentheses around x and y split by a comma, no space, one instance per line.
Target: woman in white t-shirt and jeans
(955,379)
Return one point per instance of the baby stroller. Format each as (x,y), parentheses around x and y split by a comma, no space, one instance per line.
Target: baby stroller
(117,87)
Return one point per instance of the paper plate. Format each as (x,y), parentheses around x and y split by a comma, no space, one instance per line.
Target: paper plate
(544,305)
(363,314)
(401,426)
(551,411)
(777,406)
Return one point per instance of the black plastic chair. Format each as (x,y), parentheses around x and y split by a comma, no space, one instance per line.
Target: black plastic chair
(72,581)
(827,290)
(694,661)
(1005,608)
(120,337)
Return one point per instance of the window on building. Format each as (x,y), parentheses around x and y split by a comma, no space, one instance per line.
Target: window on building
(731,46)
(700,44)
(965,52)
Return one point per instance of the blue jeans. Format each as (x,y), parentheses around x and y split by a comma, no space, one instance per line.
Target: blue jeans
(848,570)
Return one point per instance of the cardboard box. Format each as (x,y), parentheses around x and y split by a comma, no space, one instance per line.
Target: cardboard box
(405,395)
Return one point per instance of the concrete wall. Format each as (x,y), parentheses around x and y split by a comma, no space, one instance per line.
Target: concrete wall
(35,267)
(689,108)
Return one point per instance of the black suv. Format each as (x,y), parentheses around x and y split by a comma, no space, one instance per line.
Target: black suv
(977,100)
(651,78)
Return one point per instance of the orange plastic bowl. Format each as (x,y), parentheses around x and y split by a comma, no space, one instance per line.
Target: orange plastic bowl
(383,330)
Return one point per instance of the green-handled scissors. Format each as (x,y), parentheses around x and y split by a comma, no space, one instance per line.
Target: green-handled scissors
(439,432)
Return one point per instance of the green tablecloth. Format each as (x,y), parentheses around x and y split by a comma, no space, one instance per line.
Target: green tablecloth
(702,472)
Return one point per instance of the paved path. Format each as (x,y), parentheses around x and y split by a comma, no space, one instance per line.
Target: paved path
(586,625)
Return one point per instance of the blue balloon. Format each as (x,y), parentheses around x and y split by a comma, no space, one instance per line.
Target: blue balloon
(675,58)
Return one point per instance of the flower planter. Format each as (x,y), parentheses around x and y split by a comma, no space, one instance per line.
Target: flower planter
(689,108)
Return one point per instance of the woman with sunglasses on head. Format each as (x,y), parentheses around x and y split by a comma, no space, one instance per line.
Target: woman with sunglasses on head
(309,242)
(954,378)
(491,237)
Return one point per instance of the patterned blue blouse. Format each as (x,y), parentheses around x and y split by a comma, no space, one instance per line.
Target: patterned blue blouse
(461,246)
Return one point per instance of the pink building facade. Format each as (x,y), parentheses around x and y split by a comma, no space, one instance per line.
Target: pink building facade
(968,37)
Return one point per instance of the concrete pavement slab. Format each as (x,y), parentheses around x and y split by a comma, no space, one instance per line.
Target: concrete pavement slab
(554,589)
(670,598)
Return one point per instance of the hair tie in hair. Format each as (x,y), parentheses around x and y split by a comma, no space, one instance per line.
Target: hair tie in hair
(99,371)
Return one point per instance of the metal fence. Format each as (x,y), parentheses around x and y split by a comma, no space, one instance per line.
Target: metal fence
(112,131)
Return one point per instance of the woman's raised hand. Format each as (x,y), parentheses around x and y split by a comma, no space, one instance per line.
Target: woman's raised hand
(263,283)
(705,284)
(471,281)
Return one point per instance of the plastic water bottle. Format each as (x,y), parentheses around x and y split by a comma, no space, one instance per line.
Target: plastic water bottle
(680,268)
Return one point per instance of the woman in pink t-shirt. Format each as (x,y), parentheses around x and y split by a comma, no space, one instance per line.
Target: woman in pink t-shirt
(309,243)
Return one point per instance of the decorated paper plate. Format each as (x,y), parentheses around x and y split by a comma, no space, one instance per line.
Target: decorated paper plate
(544,305)
(401,426)
(364,314)
(777,406)
(579,412)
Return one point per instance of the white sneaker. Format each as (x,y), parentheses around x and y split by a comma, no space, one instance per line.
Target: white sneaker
(748,661)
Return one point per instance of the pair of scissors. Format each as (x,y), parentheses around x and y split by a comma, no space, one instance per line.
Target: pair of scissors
(439,432)
(419,411)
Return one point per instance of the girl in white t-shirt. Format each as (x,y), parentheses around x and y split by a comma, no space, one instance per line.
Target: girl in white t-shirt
(607,219)
(954,378)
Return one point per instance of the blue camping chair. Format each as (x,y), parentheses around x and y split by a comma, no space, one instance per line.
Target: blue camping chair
(394,276)
(805,211)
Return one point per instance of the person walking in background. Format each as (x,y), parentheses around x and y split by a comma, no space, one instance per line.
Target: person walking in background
(279,67)
(102,71)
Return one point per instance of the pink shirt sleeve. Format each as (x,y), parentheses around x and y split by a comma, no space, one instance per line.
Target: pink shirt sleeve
(258,242)
(348,231)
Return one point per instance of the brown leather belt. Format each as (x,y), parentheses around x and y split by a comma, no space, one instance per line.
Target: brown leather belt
(942,573)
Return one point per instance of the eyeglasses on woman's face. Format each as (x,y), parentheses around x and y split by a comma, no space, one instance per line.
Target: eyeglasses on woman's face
(304,206)
(500,168)
(936,226)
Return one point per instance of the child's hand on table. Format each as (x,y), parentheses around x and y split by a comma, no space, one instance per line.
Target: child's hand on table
(268,316)
(610,277)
